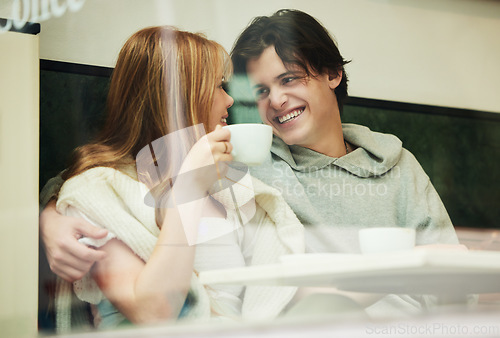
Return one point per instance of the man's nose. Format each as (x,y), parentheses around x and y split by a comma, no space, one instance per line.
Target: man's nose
(277,99)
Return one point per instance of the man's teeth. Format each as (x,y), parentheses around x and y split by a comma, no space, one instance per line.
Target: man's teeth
(289,116)
(223,120)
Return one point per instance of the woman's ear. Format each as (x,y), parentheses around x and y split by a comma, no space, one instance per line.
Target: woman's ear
(334,78)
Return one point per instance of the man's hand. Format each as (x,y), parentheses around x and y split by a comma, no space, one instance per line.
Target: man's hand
(68,258)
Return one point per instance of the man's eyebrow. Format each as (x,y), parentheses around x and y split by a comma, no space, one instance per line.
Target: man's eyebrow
(279,77)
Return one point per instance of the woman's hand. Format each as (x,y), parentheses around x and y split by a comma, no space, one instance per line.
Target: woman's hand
(68,258)
(220,145)
(206,161)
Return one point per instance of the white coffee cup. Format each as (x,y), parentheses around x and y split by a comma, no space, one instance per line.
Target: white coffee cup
(381,240)
(251,142)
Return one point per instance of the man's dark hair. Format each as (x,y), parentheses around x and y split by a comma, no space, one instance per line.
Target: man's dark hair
(298,38)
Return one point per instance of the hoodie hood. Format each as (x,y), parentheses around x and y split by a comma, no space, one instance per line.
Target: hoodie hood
(375,153)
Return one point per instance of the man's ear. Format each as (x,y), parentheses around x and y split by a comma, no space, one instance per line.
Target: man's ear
(334,78)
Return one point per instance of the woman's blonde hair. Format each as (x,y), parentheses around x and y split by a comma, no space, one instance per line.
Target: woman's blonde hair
(164,80)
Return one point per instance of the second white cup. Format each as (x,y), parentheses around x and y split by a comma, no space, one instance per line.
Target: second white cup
(251,142)
(381,240)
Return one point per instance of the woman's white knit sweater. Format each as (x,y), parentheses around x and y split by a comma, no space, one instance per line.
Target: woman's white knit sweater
(115,200)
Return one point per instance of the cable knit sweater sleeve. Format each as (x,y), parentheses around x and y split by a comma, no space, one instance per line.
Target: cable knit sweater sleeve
(115,200)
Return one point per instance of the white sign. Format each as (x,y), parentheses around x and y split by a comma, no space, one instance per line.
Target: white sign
(24,11)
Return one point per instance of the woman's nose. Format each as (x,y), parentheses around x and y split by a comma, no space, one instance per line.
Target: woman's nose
(230,100)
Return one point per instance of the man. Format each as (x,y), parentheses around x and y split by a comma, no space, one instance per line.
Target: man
(337,178)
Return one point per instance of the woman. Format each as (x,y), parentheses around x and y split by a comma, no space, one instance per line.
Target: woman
(167,82)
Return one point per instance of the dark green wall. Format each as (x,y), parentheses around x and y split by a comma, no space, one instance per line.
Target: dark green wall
(71,107)
(460,154)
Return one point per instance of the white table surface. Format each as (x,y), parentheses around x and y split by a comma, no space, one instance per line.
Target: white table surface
(412,272)
(447,325)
